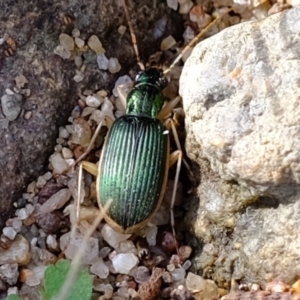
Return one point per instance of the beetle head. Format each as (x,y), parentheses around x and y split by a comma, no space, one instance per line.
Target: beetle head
(152,76)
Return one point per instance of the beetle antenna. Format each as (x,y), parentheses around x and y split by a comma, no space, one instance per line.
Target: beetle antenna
(133,36)
(197,38)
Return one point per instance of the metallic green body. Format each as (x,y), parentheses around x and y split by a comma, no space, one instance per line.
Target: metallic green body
(134,162)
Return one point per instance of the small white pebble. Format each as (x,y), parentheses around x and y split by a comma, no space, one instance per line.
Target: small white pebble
(101,93)
(47,176)
(79,42)
(40,182)
(58,148)
(9,232)
(87,111)
(93,101)
(33,242)
(78,77)
(51,242)
(12,291)
(78,61)
(17,224)
(185,7)
(75,33)
(95,44)
(114,65)
(102,61)
(173,4)
(122,29)
(66,153)
(63,133)
(120,81)
(62,52)
(66,41)
(31,187)
(167,43)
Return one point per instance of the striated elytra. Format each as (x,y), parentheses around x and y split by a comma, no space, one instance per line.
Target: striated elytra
(134,163)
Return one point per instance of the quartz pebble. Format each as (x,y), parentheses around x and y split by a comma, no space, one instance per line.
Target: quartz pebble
(12,291)
(178,274)
(107,289)
(151,232)
(167,43)
(97,116)
(66,41)
(75,33)
(95,44)
(78,77)
(87,111)
(58,163)
(56,201)
(114,65)
(71,247)
(187,264)
(186,7)
(93,101)
(17,224)
(40,182)
(104,252)
(82,133)
(66,153)
(52,242)
(102,61)
(9,232)
(79,42)
(141,274)
(62,52)
(11,106)
(99,268)
(63,132)
(127,247)
(9,273)
(122,29)
(123,80)
(78,61)
(18,252)
(124,262)
(112,237)
(32,279)
(173,4)
(201,288)
(20,81)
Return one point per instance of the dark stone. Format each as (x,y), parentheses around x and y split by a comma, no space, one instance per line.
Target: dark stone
(34,26)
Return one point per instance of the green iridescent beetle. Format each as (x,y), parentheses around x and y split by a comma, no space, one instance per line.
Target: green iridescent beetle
(135,159)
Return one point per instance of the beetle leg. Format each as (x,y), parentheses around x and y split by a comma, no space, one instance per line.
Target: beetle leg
(175,156)
(168,108)
(91,168)
(108,123)
(123,90)
(169,123)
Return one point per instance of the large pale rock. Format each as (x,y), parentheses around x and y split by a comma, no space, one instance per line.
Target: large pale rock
(241,95)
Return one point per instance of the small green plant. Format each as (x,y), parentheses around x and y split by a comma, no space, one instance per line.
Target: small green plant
(55,276)
(13,297)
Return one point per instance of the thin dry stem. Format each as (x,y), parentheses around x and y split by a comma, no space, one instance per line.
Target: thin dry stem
(133,36)
(75,267)
(197,38)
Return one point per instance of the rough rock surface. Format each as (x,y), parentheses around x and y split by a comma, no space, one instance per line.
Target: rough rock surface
(49,91)
(241,95)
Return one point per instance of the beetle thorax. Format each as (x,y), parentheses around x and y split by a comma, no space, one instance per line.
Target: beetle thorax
(145,100)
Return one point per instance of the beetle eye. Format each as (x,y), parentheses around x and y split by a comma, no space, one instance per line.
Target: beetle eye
(163,82)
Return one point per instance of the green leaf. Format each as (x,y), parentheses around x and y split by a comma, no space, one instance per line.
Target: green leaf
(13,297)
(55,276)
